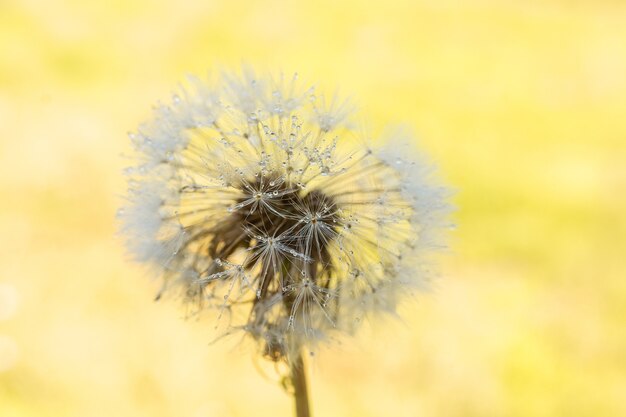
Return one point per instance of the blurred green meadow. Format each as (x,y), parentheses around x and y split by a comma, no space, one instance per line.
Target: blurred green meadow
(522,104)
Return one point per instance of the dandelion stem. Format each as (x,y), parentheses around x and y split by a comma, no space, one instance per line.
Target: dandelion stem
(300,392)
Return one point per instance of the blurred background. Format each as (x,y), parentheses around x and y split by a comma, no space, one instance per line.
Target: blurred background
(522,104)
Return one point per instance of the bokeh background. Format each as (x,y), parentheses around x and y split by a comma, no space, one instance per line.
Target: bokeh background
(522,104)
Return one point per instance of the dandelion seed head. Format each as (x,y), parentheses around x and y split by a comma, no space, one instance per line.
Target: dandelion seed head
(255,197)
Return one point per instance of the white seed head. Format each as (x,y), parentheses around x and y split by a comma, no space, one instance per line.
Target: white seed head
(253,197)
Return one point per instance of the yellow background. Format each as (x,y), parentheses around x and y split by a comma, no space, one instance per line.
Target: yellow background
(521,103)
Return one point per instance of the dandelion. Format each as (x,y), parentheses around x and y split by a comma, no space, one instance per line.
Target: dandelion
(256,199)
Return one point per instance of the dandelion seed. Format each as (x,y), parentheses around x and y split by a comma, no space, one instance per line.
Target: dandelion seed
(255,197)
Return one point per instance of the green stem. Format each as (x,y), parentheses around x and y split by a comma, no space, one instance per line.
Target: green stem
(301,395)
